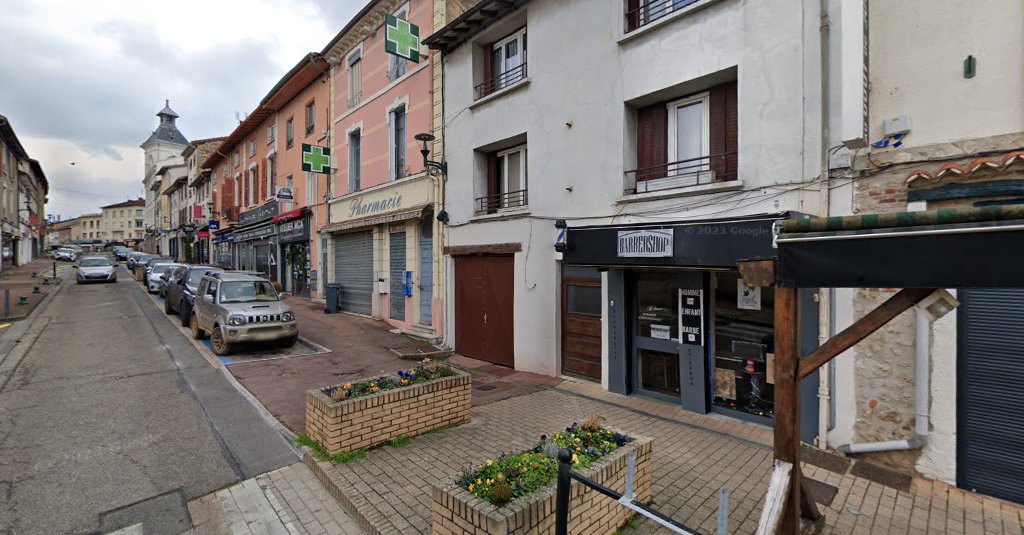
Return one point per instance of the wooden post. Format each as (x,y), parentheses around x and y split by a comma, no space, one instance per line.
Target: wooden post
(787,402)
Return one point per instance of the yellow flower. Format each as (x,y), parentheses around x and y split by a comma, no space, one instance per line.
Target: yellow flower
(470,487)
(478,482)
(405,381)
(348,386)
(579,448)
(489,481)
(489,462)
(575,459)
(501,477)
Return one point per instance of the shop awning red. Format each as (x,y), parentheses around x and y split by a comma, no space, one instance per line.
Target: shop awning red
(288,216)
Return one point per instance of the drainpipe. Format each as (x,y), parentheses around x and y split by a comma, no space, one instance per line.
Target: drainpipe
(922,341)
(826,326)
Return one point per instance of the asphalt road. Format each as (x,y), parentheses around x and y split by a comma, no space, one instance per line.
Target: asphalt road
(110,417)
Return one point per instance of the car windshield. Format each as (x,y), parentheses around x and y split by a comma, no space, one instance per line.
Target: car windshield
(196,275)
(246,291)
(94,262)
(160,268)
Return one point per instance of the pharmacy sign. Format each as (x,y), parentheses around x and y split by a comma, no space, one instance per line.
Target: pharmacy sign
(316,159)
(401,38)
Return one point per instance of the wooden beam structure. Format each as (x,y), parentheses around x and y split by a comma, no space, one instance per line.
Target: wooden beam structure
(861,329)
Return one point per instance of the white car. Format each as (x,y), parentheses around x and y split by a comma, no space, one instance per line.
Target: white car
(65,254)
(95,269)
(155,281)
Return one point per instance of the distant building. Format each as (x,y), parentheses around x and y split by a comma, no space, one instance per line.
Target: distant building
(163,151)
(23,190)
(123,222)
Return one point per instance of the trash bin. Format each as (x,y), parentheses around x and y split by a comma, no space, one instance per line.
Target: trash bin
(333,298)
(140,273)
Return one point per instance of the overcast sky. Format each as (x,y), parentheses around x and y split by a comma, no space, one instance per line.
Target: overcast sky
(81,81)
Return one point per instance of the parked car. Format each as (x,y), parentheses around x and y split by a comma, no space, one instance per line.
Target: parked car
(66,254)
(181,287)
(121,253)
(95,269)
(147,264)
(238,307)
(155,280)
(132,257)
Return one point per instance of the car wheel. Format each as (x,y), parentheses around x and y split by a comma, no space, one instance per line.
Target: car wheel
(113,279)
(287,342)
(218,343)
(186,314)
(167,307)
(197,333)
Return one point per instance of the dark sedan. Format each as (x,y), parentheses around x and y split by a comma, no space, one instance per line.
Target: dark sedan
(181,287)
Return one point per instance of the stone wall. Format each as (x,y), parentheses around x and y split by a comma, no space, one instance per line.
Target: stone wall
(457,512)
(353,424)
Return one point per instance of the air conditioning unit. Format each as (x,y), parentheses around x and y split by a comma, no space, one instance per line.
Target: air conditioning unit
(681,181)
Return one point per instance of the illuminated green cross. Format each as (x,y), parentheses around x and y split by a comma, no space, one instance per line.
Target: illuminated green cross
(402,38)
(316,159)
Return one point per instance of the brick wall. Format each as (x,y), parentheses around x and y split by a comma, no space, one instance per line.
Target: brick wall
(353,424)
(457,512)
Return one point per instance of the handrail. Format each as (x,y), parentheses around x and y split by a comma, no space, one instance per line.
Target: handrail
(651,11)
(689,167)
(500,81)
(494,202)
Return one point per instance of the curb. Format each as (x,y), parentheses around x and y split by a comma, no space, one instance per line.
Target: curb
(335,491)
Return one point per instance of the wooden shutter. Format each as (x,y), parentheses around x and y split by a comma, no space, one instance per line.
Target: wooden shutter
(488,71)
(632,15)
(491,202)
(724,131)
(263,183)
(651,141)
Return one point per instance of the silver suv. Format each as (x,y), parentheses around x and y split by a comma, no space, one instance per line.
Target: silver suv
(237,307)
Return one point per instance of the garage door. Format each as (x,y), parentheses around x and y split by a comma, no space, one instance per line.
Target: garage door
(353,269)
(397,265)
(483,308)
(990,376)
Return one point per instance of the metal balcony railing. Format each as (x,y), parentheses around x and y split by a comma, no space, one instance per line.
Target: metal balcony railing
(498,201)
(690,172)
(649,11)
(500,81)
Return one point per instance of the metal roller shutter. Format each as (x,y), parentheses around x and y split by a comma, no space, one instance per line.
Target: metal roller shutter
(353,269)
(990,376)
(426,270)
(397,275)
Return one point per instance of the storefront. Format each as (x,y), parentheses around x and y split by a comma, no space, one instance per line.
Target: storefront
(256,247)
(293,236)
(382,252)
(222,250)
(682,326)
(201,246)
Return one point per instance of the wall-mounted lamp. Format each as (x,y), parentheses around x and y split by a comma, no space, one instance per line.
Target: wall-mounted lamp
(430,164)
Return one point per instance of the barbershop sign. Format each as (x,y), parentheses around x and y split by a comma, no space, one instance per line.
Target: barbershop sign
(648,243)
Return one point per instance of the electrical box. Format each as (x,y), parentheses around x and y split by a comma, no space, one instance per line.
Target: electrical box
(407,285)
(382,286)
(898,125)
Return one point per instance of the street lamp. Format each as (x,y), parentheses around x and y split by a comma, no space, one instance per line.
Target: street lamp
(430,164)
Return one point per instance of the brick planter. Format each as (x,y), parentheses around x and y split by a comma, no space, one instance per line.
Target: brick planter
(457,512)
(353,424)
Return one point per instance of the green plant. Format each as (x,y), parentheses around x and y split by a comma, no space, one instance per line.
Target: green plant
(428,371)
(320,452)
(399,442)
(296,257)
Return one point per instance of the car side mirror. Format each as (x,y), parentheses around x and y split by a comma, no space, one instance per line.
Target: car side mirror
(208,299)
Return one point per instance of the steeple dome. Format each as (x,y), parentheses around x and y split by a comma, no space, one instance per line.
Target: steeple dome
(167,131)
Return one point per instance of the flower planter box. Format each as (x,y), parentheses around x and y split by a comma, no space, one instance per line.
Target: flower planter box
(457,512)
(364,422)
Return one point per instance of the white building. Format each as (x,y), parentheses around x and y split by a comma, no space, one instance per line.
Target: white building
(163,148)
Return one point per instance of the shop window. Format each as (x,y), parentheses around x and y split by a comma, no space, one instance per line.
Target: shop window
(744,358)
(657,308)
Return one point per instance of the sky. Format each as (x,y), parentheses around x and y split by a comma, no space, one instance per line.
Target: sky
(81,82)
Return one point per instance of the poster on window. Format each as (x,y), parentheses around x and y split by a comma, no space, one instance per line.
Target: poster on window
(662,332)
(747,298)
(691,316)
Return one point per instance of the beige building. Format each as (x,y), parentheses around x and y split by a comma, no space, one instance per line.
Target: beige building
(23,191)
(87,227)
(123,222)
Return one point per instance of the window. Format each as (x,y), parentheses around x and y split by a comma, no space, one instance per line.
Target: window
(506,181)
(250,184)
(122,213)
(252,148)
(640,13)
(237,158)
(138,213)
(271,133)
(288,184)
(310,189)
(687,141)
(355,78)
(289,132)
(355,160)
(271,177)
(310,117)
(505,65)
(396,142)
(396,65)
(237,199)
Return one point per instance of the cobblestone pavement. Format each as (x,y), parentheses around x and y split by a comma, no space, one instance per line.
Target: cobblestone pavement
(388,492)
(288,501)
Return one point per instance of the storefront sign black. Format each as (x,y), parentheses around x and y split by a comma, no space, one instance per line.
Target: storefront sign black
(691,316)
(645,243)
(254,234)
(263,213)
(293,231)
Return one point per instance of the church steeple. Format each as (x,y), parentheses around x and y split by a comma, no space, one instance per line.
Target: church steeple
(167,115)
(167,132)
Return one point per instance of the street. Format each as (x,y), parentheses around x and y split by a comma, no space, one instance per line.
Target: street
(110,417)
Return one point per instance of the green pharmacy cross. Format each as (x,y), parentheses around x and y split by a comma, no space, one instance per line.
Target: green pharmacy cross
(316,159)
(402,38)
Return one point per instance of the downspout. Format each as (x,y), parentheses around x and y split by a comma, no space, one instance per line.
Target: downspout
(826,327)
(922,341)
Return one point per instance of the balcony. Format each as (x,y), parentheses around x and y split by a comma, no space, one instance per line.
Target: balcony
(683,173)
(649,11)
(501,81)
(500,201)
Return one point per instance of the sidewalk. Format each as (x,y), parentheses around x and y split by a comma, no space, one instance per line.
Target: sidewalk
(19,282)
(359,347)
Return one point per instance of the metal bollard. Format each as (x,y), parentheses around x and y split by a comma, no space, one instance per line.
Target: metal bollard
(7,301)
(562,492)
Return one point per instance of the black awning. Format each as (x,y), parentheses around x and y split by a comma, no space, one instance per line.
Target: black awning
(950,248)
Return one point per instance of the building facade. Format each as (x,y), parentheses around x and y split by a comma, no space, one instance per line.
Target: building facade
(22,201)
(123,222)
(163,151)
(200,194)
(88,228)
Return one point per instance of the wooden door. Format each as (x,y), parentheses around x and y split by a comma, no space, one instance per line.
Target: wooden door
(484,327)
(581,322)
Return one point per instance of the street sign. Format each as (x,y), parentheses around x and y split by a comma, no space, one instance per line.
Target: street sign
(316,159)
(401,38)
(285,194)
(214,224)
(189,228)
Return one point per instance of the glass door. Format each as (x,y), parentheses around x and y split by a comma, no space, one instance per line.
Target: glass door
(668,343)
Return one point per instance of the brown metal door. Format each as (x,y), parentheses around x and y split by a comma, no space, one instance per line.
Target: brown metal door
(483,308)
(581,322)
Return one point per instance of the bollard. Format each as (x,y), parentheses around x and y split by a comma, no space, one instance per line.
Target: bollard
(55,268)
(7,301)
(562,492)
